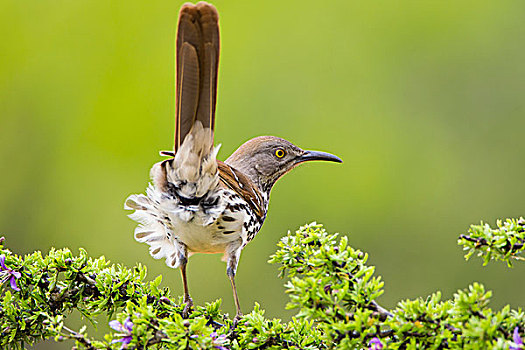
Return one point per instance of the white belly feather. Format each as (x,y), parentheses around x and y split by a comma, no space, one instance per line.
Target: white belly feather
(210,238)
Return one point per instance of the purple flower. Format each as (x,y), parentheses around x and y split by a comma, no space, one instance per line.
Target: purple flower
(125,332)
(6,273)
(518,342)
(375,344)
(219,340)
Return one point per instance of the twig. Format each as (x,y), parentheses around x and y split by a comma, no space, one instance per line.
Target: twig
(478,241)
(80,338)
(383,313)
(157,338)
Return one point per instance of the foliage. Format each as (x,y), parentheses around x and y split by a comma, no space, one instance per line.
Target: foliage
(329,284)
(506,242)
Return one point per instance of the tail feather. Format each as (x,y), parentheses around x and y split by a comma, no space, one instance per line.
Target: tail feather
(197,64)
(194,168)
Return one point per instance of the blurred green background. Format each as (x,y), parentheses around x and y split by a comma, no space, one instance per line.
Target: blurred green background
(424,101)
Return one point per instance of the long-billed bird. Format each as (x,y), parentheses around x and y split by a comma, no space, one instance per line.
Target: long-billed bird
(196,203)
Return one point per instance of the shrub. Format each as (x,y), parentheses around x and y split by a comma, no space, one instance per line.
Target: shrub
(329,284)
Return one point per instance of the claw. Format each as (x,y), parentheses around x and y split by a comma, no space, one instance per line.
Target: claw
(236,319)
(187,307)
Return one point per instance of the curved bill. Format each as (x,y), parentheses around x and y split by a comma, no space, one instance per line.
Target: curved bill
(316,155)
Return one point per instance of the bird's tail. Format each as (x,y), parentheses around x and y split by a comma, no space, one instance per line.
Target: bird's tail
(181,184)
(197,61)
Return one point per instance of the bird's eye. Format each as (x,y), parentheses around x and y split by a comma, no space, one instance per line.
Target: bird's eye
(279,153)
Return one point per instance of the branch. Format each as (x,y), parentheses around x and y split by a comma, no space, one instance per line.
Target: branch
(79,337)
(506,242)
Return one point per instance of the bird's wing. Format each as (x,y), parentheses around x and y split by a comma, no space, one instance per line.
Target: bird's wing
(240,184)
(197,61)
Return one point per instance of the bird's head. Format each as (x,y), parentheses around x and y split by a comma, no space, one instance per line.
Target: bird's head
(265,159)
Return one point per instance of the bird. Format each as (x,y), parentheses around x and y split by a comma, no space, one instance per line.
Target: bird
(194,202)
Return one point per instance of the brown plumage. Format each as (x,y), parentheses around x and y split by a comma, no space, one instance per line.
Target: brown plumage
(242,185)
(197,61)
(197,204)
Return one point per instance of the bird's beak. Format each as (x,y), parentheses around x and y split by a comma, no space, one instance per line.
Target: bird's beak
(316,155)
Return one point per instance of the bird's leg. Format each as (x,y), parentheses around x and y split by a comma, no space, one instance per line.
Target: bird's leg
(233,260)
(187,299)
(238,313)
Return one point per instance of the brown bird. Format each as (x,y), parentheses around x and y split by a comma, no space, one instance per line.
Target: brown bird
(197,204)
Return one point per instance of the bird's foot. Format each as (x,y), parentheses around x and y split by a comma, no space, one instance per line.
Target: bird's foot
(236,319)
(187,308)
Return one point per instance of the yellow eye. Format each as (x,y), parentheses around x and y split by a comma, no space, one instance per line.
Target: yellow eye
(279,153)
